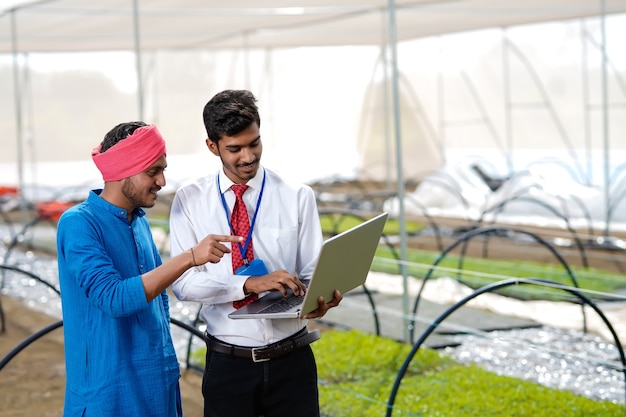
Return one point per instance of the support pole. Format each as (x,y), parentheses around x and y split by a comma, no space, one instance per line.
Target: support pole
(605,124)
(398,137)
(19,124)
(137,38)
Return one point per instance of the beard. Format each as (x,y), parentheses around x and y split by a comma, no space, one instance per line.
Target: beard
(134,195)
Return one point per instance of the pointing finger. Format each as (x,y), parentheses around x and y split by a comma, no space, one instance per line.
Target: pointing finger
(227,238)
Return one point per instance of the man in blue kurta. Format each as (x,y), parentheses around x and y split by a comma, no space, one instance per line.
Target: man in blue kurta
(120,359)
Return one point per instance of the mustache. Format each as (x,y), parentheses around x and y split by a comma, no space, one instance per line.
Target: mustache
(249,164)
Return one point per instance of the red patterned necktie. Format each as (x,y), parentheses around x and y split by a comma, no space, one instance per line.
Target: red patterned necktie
(241,226)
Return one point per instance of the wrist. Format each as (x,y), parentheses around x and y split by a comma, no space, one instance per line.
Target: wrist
(246,291)
(193,257)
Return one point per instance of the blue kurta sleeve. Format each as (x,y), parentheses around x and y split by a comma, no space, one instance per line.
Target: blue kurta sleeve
(96,273)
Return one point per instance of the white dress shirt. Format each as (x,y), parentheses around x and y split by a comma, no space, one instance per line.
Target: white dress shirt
(287,235)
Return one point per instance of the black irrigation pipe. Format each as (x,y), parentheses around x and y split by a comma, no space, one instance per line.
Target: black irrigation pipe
(480,231)
(488,230)
(374,311)
(187,327)
(433,224)
(368,294)
(26,342)
(19,235)
(193,331)
(489,288)
(191,334)
(44,331)
(30,274)
(499,207)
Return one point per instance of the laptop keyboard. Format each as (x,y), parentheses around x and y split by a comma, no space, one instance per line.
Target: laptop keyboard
(284,304)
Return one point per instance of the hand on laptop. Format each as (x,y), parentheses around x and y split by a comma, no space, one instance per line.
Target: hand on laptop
(324,306)
(280,280)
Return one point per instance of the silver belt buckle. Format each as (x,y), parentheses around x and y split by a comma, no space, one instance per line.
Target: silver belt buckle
(255,359)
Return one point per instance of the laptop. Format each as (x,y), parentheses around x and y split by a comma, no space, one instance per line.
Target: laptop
(343,264)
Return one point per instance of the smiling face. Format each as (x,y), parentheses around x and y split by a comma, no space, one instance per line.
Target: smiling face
(141,189)
(240,154)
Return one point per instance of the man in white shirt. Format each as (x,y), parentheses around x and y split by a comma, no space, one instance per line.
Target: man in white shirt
(285,239)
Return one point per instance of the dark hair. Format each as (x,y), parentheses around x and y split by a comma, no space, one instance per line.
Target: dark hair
(119,132)
(229,113)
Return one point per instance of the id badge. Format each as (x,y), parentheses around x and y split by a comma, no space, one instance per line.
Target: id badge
(255,267)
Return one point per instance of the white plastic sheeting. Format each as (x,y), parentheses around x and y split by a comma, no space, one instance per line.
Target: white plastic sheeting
(78,25)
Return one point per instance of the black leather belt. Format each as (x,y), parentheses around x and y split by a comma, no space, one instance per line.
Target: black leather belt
(264,353)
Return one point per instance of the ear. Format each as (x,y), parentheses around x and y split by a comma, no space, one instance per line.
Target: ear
(212,147)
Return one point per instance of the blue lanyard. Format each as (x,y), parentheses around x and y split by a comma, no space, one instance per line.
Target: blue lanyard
(243,249)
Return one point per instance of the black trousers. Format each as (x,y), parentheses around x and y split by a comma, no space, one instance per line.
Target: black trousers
(281,387)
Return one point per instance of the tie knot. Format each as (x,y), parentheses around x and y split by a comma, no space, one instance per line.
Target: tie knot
(239,189)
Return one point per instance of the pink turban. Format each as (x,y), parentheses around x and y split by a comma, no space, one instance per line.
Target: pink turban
(131,155)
